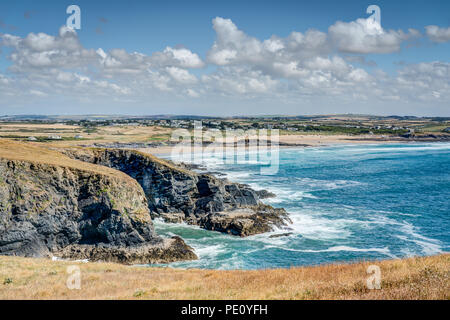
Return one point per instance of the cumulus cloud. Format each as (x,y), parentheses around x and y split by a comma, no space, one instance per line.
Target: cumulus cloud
(427,79)
(119,61)
(365,36)
(41,59)
(437,34)
(181,75)
(241,81)
(250,65)
(233,46)
(182,57)
(42,51)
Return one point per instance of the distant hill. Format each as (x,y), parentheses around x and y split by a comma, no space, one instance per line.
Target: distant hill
(103,117)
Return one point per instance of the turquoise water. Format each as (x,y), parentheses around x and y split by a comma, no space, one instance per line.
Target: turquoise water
(347,203)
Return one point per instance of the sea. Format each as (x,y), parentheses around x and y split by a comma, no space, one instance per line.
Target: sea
(348,203)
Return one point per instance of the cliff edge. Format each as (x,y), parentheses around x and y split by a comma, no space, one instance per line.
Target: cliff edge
(52,205)
(177,194)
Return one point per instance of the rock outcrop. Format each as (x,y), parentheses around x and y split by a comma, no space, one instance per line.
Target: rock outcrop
(177,194)
(51,205)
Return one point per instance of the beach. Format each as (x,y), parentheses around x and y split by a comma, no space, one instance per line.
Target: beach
(293,140)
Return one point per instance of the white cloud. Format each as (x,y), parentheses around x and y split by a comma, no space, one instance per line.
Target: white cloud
(242,81)
(181,75)
(185,57)
(367,36)
(425,80)
(192,93)
(41,51)
(38,93)
(233,46)
(307,68)
(437,34)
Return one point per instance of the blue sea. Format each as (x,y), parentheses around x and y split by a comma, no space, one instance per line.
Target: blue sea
(347,203)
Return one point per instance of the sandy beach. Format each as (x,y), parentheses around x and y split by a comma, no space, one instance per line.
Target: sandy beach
(289,141)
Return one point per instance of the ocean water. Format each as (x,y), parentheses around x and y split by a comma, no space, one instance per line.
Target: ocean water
(347,203)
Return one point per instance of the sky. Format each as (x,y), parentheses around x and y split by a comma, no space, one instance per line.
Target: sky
(225,58)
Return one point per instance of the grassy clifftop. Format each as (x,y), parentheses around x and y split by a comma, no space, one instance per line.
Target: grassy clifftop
(28,152)
(52,205)
(413,278)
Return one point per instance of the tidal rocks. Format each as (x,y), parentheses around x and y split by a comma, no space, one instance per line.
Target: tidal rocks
(246,221)
(50,203)
(177,194)
(264,194)
(279,235)
(164,251)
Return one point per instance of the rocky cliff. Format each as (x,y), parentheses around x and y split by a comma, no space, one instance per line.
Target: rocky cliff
(177,194)
(51,205)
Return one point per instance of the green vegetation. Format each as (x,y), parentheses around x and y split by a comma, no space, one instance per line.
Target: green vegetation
(7,281)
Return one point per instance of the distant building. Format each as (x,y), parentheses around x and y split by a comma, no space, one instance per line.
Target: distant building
(54,137)
(78,136)
(31,138)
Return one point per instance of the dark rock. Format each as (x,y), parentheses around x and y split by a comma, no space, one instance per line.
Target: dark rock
(165,251)
(47,209)
(247,221)
(278,235)
(171,190)
(264,194)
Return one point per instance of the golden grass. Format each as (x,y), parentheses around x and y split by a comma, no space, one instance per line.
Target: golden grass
(13,150)
(413,278)
(101,134)
(149,156)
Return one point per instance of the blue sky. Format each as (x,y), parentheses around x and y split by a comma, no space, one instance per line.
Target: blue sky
(239,85)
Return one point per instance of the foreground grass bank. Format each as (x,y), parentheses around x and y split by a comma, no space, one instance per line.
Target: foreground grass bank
(413,278)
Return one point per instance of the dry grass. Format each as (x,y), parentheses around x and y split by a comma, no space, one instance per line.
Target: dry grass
(20,151)
(413,278)
(144,134)
(101,134)
(151,157)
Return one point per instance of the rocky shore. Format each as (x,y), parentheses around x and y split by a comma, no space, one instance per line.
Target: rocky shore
(177,194)
(98,204)
(51,205)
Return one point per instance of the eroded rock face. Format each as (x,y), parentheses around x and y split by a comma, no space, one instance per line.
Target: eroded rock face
(47,209)
(177,194)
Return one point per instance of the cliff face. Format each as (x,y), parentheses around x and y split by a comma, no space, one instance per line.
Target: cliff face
(55,206)
(177,194)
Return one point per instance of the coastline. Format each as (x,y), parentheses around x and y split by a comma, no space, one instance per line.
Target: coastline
(307,141)
(283,196)
(321,144)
